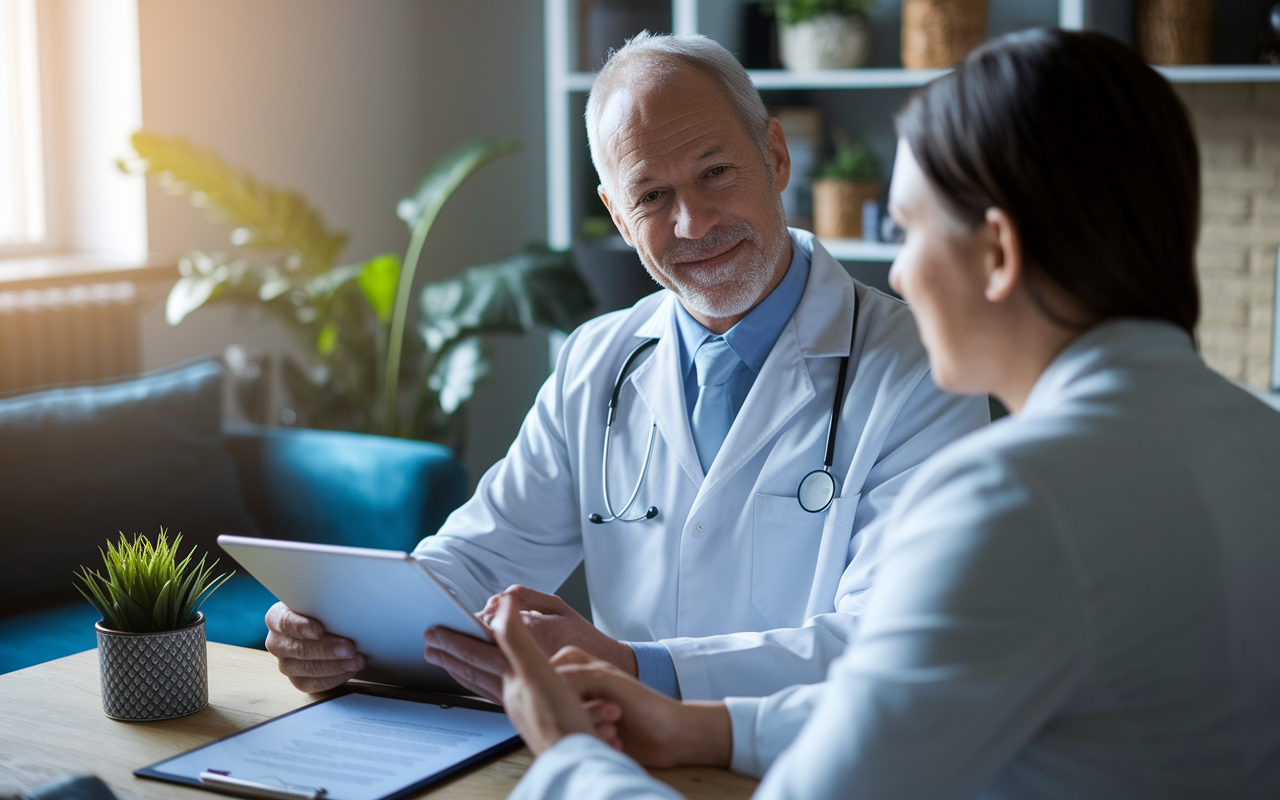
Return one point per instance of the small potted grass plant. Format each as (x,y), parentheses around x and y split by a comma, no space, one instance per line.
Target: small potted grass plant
(840,189)
(151,642)
(823,34)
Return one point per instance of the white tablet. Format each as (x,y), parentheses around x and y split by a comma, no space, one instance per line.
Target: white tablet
(382,600)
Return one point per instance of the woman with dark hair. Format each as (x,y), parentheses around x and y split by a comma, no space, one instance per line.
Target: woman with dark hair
(1082,600)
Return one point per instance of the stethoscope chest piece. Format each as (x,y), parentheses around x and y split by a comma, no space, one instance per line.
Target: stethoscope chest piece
(817,490)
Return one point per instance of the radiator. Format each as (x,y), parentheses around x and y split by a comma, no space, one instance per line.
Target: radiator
(69,333)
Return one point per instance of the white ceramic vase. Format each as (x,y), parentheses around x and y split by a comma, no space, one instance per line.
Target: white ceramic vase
(828,41)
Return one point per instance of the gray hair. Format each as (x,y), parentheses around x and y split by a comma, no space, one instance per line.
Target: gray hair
(660,56)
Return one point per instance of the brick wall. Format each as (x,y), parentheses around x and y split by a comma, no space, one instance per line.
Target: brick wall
(1238,126)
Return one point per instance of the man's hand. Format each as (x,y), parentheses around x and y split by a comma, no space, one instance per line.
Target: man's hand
(648,726)
(550,621)
(555,625)
(477,665)
(540,703)
(313,660)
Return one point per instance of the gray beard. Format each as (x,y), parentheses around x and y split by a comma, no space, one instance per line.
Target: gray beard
(733,288)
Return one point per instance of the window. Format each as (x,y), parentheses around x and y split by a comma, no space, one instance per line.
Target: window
(22,202)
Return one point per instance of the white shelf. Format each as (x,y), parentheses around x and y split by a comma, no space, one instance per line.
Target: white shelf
(811,79)
(908,78)
(860,250)
(1222,73)
(842,78)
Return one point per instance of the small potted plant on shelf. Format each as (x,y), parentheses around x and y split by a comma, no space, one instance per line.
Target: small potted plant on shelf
(151,642)
(823,34)
(840,189)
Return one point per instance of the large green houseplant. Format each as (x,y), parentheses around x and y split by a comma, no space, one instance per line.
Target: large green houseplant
(369,370)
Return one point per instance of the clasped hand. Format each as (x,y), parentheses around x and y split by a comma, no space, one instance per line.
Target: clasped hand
(551,623)
(576,693)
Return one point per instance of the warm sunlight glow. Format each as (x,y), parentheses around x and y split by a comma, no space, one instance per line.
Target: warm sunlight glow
(22,213)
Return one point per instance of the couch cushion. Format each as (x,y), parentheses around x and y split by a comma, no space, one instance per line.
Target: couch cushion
(80,463)
(234,614)
(353,489)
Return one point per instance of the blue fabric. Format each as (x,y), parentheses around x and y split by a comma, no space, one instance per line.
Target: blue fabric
(655,668)
(80,464)
(39,636)
(714,411)
(322,486)
(752,338)
(352,489)
(233,615)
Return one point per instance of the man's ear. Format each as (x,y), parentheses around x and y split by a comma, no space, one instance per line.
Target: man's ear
(779,155)
(618,221)
(1004,263)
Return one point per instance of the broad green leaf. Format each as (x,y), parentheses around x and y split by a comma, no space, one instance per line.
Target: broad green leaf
(329,282)
(327,340)
(274,284)
(203,274)
(378,280)
(266,216)
(187,295)
(536,286)
(447,174)
(419,213)
(456,374)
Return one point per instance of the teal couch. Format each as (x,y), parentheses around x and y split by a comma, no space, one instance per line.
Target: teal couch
(78,464)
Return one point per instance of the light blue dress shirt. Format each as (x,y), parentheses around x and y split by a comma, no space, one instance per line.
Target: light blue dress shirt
(1079,601)
(751,339)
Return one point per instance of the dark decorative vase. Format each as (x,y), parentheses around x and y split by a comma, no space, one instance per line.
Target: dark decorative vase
(152,676)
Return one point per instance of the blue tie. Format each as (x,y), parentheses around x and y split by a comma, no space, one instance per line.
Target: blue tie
(713,411)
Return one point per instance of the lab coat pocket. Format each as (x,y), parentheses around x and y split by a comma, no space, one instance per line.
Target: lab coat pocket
(786,541)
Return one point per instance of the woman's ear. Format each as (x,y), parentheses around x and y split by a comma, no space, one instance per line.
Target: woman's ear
(1004,255)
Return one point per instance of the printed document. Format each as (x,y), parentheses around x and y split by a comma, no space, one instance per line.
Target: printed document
(354,747)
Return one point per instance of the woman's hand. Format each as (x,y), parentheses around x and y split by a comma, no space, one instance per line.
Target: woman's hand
(541,704)
(650,727)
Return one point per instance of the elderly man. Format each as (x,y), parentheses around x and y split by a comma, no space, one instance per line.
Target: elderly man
(669,447)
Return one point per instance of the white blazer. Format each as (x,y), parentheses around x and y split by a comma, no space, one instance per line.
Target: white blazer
(749,592)
(1081,601)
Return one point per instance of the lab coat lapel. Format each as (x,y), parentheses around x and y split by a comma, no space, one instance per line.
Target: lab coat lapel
(660,386)
(819,328)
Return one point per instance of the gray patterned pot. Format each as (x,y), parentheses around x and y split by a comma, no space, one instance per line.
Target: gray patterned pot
(150,676)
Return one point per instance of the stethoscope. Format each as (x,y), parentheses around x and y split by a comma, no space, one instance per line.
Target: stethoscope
(816,490)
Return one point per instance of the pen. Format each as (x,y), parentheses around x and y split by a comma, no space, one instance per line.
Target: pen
(222,781)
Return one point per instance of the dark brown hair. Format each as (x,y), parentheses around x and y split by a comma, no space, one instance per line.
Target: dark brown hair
(1090,152)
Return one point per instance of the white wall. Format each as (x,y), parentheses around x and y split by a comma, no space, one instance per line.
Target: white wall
(350,101)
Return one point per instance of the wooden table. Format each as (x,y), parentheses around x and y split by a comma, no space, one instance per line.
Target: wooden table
(52,726)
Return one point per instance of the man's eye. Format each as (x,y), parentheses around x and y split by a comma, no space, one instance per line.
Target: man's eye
(651,196)
(716,172)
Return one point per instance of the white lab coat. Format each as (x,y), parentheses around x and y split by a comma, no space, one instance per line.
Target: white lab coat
(1082,601)
(749,592)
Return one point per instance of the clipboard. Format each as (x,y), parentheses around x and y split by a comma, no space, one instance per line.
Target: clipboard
(353,746)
